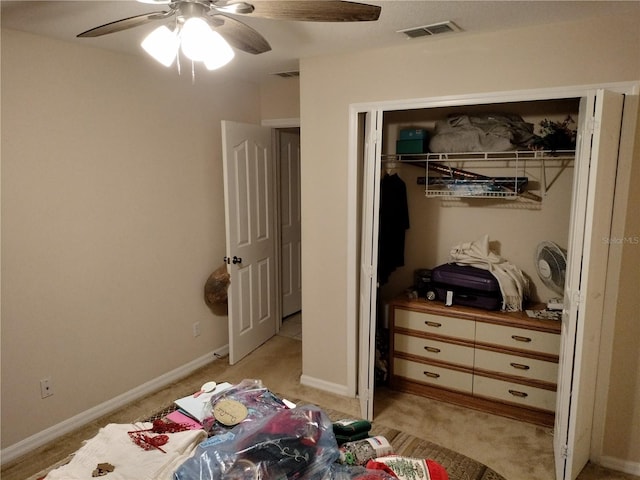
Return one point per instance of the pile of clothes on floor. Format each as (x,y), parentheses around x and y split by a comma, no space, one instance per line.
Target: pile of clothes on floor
(248,434)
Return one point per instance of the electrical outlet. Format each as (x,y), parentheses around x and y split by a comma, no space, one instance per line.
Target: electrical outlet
(196,329)
(46,387)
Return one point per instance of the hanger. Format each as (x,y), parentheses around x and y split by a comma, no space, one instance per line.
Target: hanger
(390,166)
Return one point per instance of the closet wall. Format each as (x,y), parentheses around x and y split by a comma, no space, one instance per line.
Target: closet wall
(515,226)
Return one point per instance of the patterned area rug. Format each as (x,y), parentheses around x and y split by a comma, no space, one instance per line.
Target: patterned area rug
(458,466)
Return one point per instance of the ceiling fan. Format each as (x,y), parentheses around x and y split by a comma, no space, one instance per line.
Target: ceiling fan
(216,14)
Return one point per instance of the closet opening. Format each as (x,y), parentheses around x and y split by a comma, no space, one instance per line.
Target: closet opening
(556,204)
(515,226)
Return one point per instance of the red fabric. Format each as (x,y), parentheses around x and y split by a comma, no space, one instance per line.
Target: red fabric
(437,471)
(373,465)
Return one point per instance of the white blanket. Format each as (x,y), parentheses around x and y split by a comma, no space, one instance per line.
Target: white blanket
(513,284)
(113,445)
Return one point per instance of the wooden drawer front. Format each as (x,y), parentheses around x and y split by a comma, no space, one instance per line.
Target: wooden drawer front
(435,324)
(437,376)
(515,393)
(518,366)
(518,338)
(433,349)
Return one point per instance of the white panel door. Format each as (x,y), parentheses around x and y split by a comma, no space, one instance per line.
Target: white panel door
(291,276)
(369,263)
(594,185)
(249,189)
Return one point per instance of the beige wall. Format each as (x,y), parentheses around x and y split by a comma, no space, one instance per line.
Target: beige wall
(622,425)
(280,98)
(551,56)
(112,220)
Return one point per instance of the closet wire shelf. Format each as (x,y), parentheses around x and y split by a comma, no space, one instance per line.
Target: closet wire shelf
(444,180)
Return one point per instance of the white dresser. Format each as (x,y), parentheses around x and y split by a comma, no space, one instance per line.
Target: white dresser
(503,363)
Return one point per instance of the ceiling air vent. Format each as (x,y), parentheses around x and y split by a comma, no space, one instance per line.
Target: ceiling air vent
(433,29)
(291,74)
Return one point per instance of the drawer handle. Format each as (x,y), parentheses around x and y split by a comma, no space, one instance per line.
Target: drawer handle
(517,393)
(432,349)
(518,338)
(431,374)
(432,324)
(520,366)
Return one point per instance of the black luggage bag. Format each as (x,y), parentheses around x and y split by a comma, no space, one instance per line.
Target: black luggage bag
(468,286)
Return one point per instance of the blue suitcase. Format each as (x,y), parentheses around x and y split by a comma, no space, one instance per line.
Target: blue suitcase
(467,286)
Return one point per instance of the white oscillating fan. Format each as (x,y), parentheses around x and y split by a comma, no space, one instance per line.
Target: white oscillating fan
(551,264)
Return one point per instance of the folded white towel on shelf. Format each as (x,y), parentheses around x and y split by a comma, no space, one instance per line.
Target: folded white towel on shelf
(514,286)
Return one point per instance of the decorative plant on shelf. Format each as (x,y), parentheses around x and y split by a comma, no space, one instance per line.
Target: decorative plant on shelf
(556,135)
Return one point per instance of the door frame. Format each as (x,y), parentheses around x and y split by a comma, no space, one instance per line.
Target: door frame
(276,124)
(354,217)
(288,188)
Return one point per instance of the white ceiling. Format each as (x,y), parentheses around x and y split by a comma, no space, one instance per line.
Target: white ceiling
(291,41)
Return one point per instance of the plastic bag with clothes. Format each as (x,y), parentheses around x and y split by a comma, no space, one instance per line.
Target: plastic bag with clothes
(296,444)
(258,400)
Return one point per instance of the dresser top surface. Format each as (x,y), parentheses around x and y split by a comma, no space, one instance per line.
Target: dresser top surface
(514,319)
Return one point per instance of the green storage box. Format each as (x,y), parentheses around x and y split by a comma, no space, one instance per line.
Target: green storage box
(418,145)
(413,134)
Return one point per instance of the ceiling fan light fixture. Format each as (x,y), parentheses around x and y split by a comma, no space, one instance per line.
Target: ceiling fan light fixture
(197,40)
(219,54)
(201,44)
(162,44)
(194,39)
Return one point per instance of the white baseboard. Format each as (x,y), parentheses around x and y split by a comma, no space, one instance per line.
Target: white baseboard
(625,466)
(29,444)
(324,385)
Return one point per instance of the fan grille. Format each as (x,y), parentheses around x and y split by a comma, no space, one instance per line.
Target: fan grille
(551,264)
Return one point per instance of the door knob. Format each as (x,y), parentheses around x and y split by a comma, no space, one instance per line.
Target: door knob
(236,260)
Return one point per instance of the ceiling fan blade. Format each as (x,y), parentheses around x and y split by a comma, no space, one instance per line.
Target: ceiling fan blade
(241,36)
(316,10)
(234,7)
(125,24)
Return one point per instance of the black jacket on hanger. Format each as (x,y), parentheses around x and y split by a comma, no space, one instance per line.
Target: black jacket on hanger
(394,220)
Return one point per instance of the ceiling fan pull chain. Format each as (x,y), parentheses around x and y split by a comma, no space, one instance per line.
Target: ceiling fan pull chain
(177,30)
(193,72)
